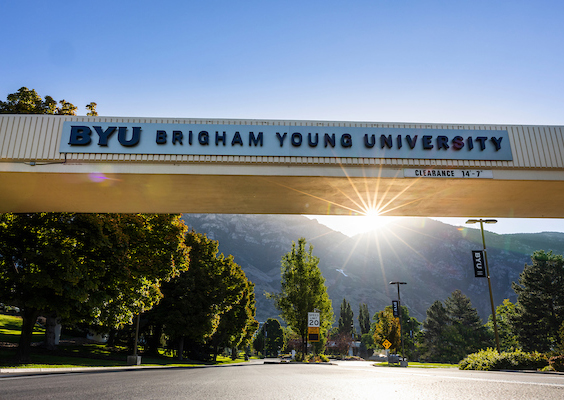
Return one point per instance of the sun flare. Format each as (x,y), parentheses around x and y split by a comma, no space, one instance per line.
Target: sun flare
(370,220)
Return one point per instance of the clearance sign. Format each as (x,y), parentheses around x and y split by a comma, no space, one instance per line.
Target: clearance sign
(279,140)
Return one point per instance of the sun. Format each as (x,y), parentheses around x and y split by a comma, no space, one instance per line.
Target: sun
(351,225)
(372,220)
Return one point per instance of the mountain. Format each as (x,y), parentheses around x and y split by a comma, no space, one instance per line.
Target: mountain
(432,257)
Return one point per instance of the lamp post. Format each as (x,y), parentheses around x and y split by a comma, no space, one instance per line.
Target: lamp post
(482,222)
(399,304)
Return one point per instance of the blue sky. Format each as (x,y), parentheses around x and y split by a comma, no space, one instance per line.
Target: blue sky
(383,61)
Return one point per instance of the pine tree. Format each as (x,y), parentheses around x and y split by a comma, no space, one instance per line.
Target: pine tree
(364,319)
(346,318)
(539,311)
(434,333)
(472,335)
(453,330)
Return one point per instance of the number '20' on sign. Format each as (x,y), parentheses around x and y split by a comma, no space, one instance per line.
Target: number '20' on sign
(313,319)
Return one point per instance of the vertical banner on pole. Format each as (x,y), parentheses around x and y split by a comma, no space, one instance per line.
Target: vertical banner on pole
(479,263)
(395,308)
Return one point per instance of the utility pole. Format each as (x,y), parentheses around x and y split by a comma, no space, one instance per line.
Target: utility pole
(399,307)
(488,221)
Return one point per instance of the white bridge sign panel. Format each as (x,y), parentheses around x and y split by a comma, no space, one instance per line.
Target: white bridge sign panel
(447,173)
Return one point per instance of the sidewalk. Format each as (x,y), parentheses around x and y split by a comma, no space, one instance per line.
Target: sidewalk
(55,370)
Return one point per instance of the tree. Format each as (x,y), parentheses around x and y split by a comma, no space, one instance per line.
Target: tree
(292,341)
(211,303)
(91,107)
(453,330)
(366,345)
(274,338)
(539,311)
(435,346)
(147,250)
(237,321)
(190,307)
(303,290)
(94,268)
(340,343)
(346,318)
(507,338)
(472,334)
(364,319)
(66,108)
(26,101)
(387,327)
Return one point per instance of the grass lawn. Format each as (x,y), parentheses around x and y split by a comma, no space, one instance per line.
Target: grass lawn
(10,329)
(43,359)
(72,356)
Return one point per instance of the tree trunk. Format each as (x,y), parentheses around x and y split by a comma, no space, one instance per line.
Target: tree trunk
(29,316)
(111,338)
(154,341)
(181,348)
(51,339)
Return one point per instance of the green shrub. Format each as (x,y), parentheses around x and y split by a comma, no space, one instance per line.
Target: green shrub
(317,358)
(557,363)
(489,359)
(482,360)
(323,358)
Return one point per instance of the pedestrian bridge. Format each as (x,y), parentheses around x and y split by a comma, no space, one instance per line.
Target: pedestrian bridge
(157,165)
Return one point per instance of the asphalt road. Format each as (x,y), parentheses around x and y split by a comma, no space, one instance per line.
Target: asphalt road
(347,380)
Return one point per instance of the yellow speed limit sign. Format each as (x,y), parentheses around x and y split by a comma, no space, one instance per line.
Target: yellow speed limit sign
(386,344)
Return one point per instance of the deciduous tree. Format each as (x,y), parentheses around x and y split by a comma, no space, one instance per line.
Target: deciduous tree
(95,268)
(387,327)
(303,290)
(237,321)
(507,338)
(211,303)
(27,101)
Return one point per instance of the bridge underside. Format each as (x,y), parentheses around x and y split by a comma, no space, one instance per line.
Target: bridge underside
(530,196)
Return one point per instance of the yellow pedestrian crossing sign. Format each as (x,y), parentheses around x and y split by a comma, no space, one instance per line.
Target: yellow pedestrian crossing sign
(386,344)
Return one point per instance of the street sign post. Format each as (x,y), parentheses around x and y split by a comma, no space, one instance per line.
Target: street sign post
(313,319)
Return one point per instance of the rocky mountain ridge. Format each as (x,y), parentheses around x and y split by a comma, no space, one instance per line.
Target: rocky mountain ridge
(432,257)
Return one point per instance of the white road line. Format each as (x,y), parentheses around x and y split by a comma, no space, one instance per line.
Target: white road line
(467,378)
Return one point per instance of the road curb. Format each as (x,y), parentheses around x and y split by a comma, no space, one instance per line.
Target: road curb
(76,369)
(297,363)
